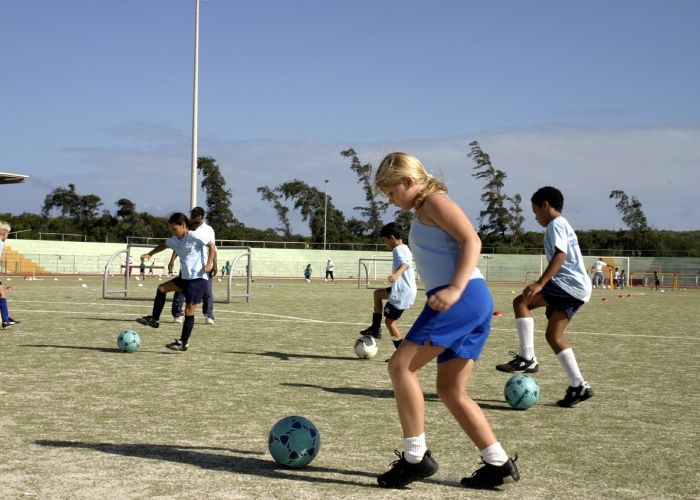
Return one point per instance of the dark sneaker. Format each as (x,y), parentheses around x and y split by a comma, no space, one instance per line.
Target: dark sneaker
(489,476)
(372,332)
(9,323)
(519,364)
(576,395)
(177,345)
(402,472)
(148,321)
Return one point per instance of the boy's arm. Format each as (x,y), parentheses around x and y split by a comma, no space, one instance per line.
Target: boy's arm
(211,258)
(552,268)
(172,262)
(159,248)
(393,277)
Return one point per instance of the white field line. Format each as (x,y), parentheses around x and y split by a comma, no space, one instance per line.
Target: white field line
(281,318)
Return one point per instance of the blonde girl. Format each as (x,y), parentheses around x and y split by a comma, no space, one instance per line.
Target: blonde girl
(453,326)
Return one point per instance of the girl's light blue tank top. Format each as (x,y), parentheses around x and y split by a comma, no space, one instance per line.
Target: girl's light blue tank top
(436,254)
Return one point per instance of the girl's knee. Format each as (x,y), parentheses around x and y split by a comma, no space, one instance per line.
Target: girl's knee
(161,289)
(448,392)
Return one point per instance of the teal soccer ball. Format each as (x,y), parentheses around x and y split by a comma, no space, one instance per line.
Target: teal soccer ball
(294,441)
(521,391)
(128,341)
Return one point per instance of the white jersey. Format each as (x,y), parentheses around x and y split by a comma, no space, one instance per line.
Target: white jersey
(572,276)
(205,233)
(403,290)
(193,255)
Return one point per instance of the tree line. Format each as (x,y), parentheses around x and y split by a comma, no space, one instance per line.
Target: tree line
(500,222)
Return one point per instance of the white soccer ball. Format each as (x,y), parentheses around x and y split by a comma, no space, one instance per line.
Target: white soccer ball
(366,347)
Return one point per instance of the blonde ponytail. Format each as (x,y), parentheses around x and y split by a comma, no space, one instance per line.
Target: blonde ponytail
(395,166)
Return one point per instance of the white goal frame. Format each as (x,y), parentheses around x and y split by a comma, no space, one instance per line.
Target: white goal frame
(123,293)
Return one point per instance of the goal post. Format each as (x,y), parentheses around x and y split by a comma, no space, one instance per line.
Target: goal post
(372,273)
(240,258)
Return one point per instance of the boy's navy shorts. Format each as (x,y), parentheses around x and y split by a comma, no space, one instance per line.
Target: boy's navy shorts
(463,329)
(559,300)
(391,311)
(194,290)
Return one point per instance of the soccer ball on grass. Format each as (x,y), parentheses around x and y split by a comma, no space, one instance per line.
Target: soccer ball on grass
(366,347)
(521,391)
(294,441)
(128,341)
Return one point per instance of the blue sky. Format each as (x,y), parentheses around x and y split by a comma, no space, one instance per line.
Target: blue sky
(589,97)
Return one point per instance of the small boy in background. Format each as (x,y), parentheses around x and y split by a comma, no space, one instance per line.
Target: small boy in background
(402,292)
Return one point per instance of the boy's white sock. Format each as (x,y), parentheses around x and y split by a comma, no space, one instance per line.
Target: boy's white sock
(494,454)
(526,335)
(568,361)
(414,448)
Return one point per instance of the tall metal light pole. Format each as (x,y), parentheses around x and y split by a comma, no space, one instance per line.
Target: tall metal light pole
(325,214)
(193,190)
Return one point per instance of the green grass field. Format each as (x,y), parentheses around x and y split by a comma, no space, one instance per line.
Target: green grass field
(80,419)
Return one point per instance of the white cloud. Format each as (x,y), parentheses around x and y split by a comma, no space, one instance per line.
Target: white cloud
(658,165)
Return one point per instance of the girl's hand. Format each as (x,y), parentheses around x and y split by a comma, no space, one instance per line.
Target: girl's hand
(145,257)
(443,300)
(531,290)
(391,278)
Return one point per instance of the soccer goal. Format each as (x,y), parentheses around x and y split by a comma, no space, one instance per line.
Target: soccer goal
(647,279)
(613,264)
(372,273)
(121,265)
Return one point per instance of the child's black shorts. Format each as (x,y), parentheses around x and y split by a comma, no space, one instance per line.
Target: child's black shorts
(558,300)
(391,312)
(194,290)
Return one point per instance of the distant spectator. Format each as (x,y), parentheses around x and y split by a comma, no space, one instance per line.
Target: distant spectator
(330,267)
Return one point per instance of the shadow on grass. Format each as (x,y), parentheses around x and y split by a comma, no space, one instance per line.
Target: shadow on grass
(485,404)
(358,391)
(118,320)
(202,457)
(286,356)
(87,348)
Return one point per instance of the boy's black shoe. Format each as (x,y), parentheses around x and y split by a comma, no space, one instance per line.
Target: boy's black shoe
(177,345)
(576,395)
(148,321)
(489,476)
(372,332)
(402,472)
(9,323)
(519,364)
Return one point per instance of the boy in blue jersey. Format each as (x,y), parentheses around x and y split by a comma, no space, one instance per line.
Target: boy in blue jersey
(563,287)
(402,292)
(195,264)
(7,322)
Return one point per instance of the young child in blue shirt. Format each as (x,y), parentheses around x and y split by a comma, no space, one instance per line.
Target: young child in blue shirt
(195,264)
(402,292)
(563,287)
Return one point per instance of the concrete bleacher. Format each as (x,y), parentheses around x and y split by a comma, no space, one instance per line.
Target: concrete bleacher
(67,257)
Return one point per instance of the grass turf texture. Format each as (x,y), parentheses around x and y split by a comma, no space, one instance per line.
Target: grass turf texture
(82,420)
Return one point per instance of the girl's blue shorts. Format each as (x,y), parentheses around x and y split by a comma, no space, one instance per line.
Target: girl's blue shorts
(463,329)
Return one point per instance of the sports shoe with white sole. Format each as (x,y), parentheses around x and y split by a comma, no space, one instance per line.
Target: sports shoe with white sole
(519,364)
(576,395)
(177,345)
